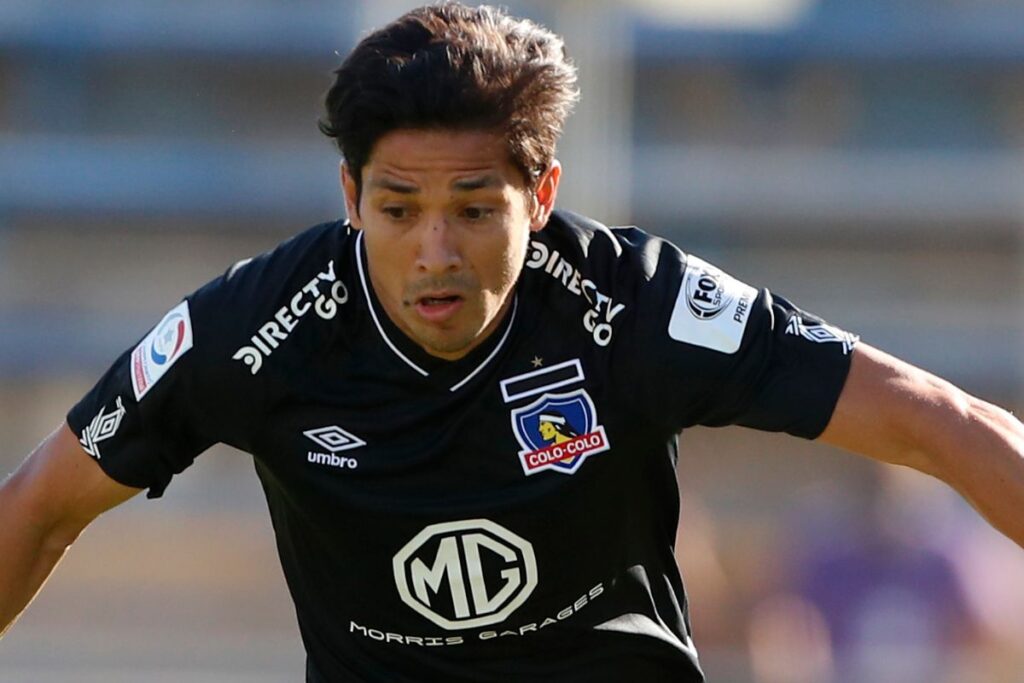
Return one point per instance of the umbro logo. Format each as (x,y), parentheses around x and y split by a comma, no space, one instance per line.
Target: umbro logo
(333,439)
(822,333)
(102,427)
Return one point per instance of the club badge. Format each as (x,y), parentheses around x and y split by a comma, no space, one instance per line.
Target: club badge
(558,432)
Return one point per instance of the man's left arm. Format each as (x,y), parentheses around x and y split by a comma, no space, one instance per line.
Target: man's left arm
(894,412)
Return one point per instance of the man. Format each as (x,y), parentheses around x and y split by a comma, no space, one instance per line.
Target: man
(389,377)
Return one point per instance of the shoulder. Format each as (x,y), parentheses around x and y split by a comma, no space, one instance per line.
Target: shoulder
(256,284)
(624,275)
(573,249)
(252,309)
(319,248)
(583,267)
(608,251)
(192,366)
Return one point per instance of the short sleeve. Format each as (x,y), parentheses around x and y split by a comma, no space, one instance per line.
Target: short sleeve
(158,406)
(716,351)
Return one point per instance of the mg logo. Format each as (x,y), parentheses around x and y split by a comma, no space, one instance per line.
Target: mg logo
(465,574)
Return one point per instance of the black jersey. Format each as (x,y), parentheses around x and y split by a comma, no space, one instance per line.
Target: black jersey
(509,515)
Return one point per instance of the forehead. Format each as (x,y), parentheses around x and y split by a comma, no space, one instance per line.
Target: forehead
(422,156)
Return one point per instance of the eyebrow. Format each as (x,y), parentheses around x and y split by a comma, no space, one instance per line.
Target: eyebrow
(479,183)
(393,186)
(463,185)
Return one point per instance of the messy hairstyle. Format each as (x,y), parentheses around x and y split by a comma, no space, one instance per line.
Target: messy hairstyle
(449,66)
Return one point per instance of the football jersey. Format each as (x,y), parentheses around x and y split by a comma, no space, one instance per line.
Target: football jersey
(509,515)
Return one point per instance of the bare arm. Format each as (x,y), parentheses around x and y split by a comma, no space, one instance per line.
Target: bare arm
(44,506)
(897,413)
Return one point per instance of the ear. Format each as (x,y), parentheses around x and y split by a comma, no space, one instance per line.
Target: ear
(349,189)
(544,196)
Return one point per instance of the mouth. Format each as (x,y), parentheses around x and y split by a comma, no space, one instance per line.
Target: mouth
(438,307)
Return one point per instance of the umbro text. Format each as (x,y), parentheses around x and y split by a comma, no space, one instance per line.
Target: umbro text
(332,460)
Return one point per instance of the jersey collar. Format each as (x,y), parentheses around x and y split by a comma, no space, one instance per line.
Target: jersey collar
(453,374)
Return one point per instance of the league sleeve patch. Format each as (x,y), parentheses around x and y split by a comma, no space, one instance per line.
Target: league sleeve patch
(712,308)
(162,347)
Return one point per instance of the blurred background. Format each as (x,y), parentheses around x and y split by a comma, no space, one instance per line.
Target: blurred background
(865,158)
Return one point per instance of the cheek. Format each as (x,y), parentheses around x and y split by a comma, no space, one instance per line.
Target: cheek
(390,264)
(503,263)
(509,253)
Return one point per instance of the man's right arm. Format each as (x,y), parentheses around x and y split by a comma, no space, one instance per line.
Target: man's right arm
(44,506)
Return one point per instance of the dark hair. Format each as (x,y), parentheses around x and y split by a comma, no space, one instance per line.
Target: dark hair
(455,67)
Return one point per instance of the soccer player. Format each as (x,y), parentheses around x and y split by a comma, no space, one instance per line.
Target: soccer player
(395,378)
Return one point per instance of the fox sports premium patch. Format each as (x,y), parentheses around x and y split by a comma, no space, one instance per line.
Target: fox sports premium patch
(712,308)
(162,347)
(558,432)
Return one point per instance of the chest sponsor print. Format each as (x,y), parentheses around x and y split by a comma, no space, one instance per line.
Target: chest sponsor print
(465,574)
(599,318)
(558,432)
(323,295)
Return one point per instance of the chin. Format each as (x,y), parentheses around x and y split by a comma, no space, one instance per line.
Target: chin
(449,345)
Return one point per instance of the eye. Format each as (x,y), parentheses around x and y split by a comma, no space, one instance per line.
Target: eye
(395,212)
(477,213)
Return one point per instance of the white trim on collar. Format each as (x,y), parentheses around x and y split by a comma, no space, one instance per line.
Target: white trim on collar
(373,311)
(494,352)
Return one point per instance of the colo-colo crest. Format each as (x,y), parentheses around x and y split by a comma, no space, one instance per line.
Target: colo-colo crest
(558,432)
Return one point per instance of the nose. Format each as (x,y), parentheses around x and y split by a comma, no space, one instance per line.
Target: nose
(438,248)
